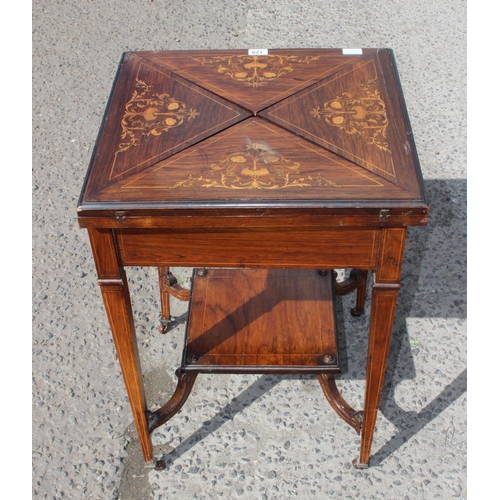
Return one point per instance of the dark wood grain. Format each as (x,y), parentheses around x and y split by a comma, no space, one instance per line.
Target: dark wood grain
(383,308)
(164,300)
(391,255)
(356,281)
(116,297)
(259,217)
(261,317)
(254,218)
(338,403)
(324,175)
(175,403)
(258,160)
(352,114)
(253,82)
(153,114)
(350,107)
(293,248)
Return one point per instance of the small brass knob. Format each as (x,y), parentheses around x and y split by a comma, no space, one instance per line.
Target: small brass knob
(328,359)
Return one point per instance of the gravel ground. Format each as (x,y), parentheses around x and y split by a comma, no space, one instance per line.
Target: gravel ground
(248,437)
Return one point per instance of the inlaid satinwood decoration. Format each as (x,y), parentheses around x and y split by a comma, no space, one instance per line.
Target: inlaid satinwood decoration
(148,113)
(256,166)
(348,113)
(255,71)
(361,112)
(222,167)
(316,125)
(251,81)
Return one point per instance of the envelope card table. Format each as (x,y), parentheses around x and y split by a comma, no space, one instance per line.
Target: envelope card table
(264,171)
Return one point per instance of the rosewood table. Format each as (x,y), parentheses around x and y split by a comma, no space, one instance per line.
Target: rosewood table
(264,171)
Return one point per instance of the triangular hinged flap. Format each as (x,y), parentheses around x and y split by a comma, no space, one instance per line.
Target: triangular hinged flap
(253,160)
(154,114)
(253,81)
(351,113)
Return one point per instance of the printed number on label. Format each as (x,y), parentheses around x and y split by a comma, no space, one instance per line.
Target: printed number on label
(257,52)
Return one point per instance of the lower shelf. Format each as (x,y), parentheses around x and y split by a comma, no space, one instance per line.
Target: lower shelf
(261,320)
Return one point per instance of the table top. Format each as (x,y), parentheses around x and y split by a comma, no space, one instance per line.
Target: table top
(187,132)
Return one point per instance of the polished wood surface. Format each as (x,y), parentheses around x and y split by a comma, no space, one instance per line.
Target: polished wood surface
(385,291)
(259,159)
(169,286)
(176,137)
(298,161)
(253,82)
(356,113)
(261,318)
(250,248)
(112,280)
(152,115)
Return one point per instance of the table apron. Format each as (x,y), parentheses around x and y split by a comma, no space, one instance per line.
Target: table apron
(293,248)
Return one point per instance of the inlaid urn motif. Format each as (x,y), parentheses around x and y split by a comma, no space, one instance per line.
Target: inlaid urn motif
(255,71)
(362,112)
(148,113)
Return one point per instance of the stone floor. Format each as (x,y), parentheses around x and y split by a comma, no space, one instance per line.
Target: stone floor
(248,437)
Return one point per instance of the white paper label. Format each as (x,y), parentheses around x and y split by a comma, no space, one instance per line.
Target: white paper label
(352,52)
(257,52)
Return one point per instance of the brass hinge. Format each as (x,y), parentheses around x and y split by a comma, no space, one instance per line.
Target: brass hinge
(384,214)
(120,216)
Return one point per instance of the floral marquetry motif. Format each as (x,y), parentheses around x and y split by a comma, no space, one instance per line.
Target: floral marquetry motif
(350,113)
(258,171)
(309,124)
(253,159)
(256,71)
(148,113)
(362,112)
(252,81)
(154,115)
(257,166)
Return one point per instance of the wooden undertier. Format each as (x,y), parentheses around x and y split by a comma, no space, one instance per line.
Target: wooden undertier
(261,320)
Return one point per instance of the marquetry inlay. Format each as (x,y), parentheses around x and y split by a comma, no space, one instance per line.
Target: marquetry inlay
(313,125)
(255,71)
(255,166)
(149,113)
(361,112)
